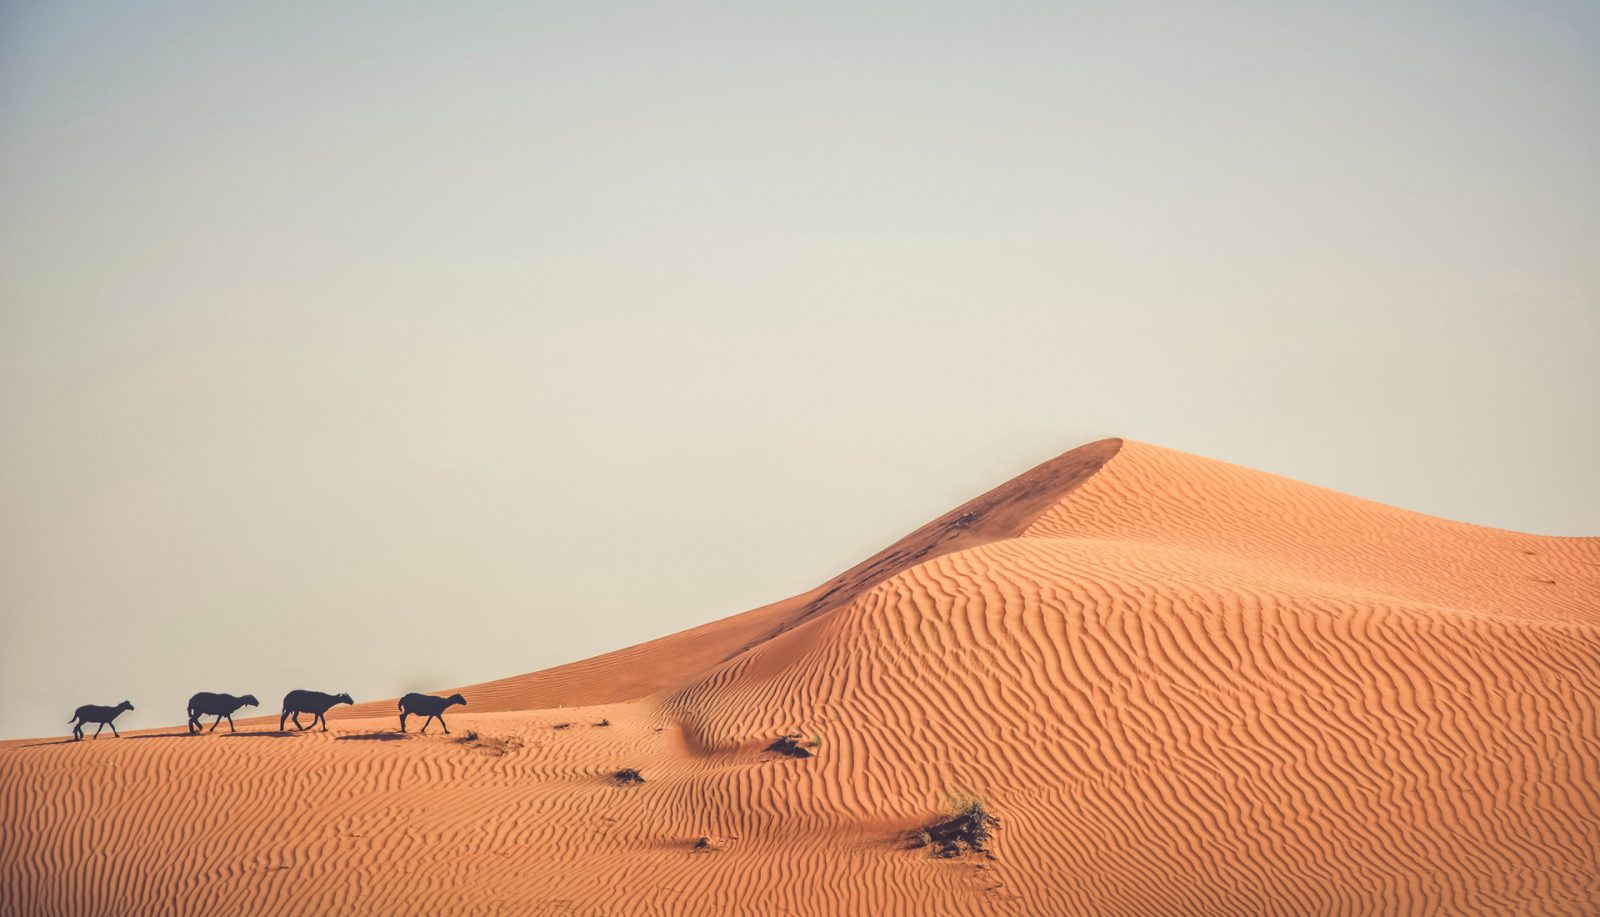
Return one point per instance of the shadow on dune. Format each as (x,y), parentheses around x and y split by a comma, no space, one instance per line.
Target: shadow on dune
(268,734)
(373,737)
(71,741)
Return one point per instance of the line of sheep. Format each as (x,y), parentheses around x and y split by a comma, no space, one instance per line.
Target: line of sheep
(224,706)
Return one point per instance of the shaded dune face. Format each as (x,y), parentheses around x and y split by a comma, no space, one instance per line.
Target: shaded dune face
(1184,687)
(1002,513)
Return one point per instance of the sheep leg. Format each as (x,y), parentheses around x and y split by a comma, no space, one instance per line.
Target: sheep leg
(297,722)
(281,717)
(231,727)
(77,733)
(403,721)
(324,721)
(100,730)
(446,728)
(114,733)
(425,723)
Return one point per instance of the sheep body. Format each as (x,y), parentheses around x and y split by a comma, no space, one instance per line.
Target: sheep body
(94,713)
(218,705)
(428,705)
(315,703)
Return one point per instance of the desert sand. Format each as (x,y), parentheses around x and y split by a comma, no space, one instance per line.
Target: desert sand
(1183,687)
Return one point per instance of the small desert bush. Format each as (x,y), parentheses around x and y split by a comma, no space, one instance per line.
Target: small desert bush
(789,746)
(969,828)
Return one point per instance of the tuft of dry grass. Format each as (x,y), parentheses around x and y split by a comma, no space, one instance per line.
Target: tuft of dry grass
(496,746)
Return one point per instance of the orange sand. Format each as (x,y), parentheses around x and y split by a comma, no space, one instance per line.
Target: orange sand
(1184,687)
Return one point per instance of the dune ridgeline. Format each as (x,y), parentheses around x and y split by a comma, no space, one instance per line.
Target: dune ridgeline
(1156,684)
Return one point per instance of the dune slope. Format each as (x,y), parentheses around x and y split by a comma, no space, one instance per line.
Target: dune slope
(1183,687)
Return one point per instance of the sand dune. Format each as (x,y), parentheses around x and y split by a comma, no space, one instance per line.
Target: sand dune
(1183,687)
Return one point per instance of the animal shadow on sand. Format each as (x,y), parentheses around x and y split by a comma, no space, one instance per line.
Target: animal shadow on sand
(374,737)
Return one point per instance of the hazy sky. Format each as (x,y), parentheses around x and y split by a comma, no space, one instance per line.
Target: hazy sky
(376,347)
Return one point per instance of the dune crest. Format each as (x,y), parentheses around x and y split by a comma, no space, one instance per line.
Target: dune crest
(1182,687)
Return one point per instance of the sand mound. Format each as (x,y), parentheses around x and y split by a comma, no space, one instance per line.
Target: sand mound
(1181,687)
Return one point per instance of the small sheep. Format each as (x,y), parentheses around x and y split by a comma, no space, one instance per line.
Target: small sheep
(313,702)
(218,705)
(94,713)
(427,705)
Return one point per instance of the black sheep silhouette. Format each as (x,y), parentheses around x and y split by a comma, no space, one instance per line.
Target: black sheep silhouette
(313,702)
(94,713)
(218,705)
(427,705)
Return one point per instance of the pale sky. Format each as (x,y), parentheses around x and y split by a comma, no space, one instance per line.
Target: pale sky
(374,347)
